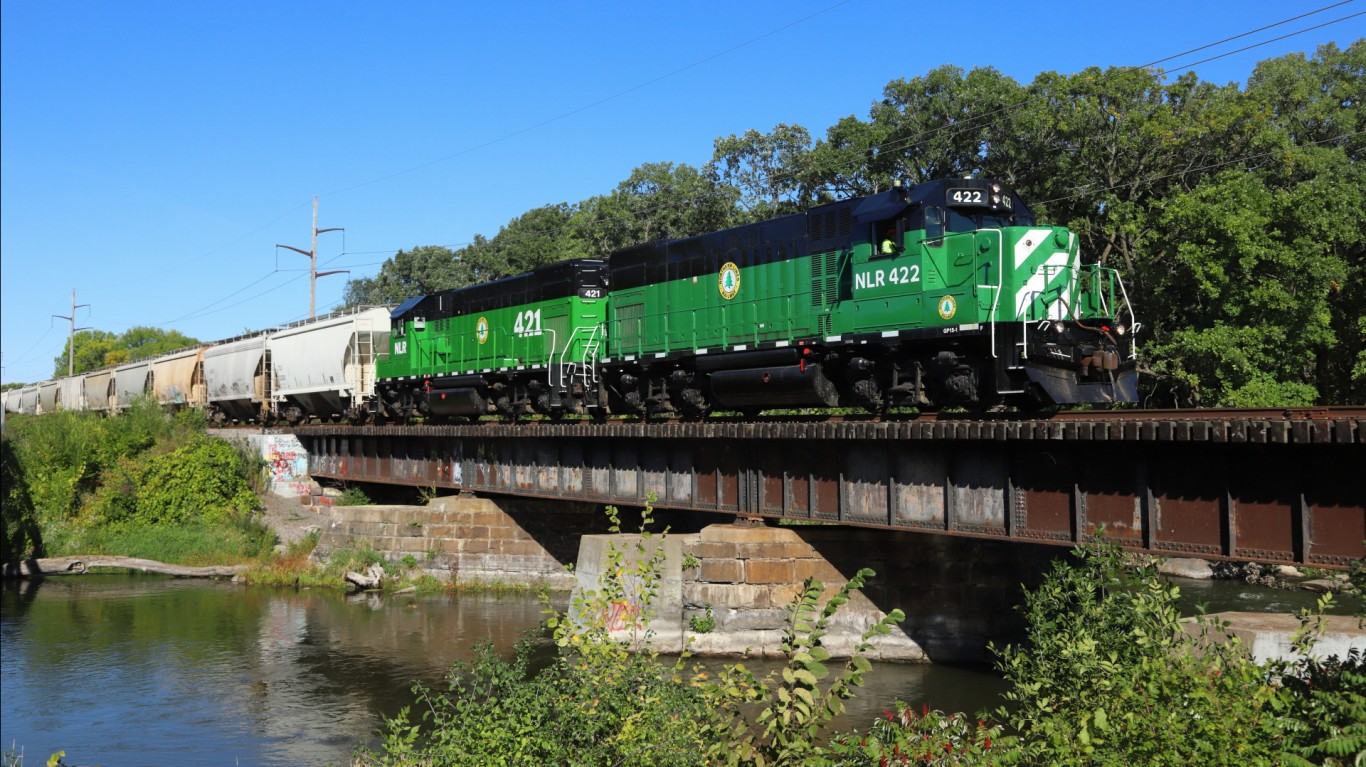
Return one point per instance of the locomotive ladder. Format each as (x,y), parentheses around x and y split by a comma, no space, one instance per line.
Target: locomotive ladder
(584,370)
(363,354)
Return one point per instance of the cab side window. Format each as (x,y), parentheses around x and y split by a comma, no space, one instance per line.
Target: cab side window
(934,222)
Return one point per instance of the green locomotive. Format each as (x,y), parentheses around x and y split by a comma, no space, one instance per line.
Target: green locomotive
(942,293)
(520,344)
(946,293)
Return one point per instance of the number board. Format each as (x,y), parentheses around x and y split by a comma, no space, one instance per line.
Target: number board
(973,197)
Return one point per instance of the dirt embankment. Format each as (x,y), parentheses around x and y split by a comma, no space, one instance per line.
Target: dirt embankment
(290,519)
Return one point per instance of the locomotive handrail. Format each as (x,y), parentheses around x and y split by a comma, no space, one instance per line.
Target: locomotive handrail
(554,342)
(1048,271)
(589,350)
(1134,324)
(1000,273)
(1104,281)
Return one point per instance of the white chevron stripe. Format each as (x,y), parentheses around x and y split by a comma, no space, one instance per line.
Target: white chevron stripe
(1028,245)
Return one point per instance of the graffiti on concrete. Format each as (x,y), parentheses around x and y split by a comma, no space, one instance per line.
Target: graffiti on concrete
(287,463)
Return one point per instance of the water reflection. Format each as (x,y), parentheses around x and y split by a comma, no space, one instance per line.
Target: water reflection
(140,670)
(134,670)
(143,670)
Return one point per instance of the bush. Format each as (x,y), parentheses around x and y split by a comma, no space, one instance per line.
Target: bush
(594,703)
(1108,675)
(140,483)
(353,496)
(930,737)
(598,703)
(65,455)
(22,533)
(205,481)
(781,719)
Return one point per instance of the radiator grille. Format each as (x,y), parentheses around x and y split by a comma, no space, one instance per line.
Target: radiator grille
(825,278)
(829,224)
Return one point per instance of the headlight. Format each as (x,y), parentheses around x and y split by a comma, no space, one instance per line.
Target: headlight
(1059,327)
(1121,329)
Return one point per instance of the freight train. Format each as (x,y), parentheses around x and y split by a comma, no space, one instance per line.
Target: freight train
(942,294)
(322,368)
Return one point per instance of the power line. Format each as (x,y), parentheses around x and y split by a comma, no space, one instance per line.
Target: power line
(199,312)
(1252,32)
(1276,39)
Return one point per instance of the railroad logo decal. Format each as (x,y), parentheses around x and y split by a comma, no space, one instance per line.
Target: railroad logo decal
(481,329)
(947,307)
(728,281)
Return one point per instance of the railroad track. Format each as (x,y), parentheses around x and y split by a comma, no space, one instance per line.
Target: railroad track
(1317,413)
(1262,425)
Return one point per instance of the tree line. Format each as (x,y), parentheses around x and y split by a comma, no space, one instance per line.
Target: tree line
(1237,216)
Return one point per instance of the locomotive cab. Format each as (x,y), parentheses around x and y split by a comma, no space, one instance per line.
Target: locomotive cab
(973,302)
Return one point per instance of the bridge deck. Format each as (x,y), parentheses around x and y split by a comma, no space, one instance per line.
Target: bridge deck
(1284,486)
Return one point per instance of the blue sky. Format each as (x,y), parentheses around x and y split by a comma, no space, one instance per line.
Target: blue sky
(153,153)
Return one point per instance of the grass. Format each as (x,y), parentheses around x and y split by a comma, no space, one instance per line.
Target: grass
(193,545)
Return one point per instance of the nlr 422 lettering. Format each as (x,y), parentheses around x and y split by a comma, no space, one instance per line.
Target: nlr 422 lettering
(895,275)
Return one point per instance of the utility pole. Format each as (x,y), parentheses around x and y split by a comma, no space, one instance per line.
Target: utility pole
(71,341)
(312,253)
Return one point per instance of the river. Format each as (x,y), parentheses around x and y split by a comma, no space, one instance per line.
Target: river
(141,670)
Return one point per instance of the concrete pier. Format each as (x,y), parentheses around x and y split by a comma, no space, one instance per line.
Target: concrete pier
(469,539)
(1267,635)
(957,593)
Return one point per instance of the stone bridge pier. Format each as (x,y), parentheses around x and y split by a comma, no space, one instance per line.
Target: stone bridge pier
(957,593)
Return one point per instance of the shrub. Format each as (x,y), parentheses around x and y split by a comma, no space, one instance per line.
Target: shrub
(598,703)
(22,533)
(781,718)
(353,496)
(930,737)
(205,481)
(594,703)
(1109,676)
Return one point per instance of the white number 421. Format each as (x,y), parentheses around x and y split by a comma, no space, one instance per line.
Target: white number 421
(528,323)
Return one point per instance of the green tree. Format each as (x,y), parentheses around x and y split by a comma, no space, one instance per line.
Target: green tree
(538,237)
(767,169)
(418,272)
(1255,285)
(657,201)
(99,348)
(92,348)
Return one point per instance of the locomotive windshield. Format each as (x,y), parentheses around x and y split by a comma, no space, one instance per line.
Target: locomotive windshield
(970,219)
